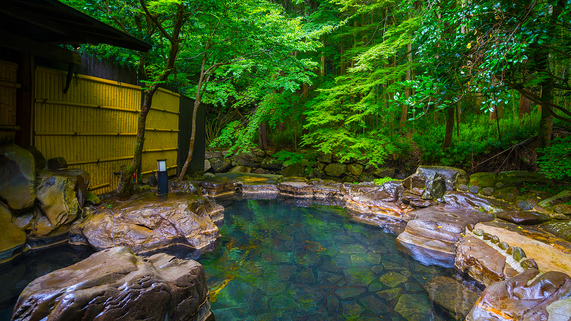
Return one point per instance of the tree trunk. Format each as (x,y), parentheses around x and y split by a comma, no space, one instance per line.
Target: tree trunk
(192,139)
(407,91)
(524,106)
(263,135)
(545,127)
(124,185)
(449,127)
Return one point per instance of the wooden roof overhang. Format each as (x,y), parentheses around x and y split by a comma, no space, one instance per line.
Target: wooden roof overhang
(38,26)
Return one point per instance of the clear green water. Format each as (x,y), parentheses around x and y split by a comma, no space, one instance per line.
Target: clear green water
(281,262)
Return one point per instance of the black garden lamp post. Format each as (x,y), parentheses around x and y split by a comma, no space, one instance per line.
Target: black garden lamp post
(162,177)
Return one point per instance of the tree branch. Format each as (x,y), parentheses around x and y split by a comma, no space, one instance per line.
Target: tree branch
(156,21)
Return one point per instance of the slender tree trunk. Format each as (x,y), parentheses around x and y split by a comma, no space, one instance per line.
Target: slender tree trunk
(192,139)
(524,106)
(546,123)
(124,185)
(458,117)
(407,91)
(342,60)
(449,127)
(263,135)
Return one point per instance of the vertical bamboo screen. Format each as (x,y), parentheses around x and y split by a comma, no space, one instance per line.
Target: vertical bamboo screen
(8,86)
(93,126)
(161,136)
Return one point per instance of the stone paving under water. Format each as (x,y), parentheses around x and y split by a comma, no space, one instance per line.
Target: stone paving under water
(281,262)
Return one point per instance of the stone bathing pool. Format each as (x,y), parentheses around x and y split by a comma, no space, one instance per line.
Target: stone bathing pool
(278,261)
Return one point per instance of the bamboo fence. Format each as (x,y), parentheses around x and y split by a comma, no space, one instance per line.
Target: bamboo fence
(94,125)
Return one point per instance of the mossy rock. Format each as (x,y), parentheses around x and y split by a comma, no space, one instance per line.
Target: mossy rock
(560,229)
(294,170)
(355,169)
(519,178)
(336,170)
(483,179)
(93,199)
(562,197)
(508,194)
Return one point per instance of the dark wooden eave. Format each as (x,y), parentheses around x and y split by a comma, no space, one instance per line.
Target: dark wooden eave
(50,22)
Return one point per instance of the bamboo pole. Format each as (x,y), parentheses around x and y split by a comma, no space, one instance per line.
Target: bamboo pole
(73,104)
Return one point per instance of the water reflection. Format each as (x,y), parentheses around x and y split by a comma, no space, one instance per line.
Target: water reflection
(16,275)
(281,262)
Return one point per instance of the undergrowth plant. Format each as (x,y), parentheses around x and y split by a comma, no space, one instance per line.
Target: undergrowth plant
(381,181)
(555,160)
(477,136)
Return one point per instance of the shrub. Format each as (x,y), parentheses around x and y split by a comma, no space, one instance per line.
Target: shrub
(556,159)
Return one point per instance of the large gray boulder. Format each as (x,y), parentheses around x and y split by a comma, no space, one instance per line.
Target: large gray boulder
(249,159)
(17,177)
(220,165)
(435,187)
(149,223)
(117,285)
(452,176)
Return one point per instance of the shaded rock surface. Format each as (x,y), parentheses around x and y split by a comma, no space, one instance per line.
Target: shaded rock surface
(248,159)
(17,177)
(57,197)
(524,297)
(522,217)
(220,165)
(467,200)
(117,285)
(480,261)
(435,187)
(216,186)
(150,223)
(431,233)
(57,163)
(13,238)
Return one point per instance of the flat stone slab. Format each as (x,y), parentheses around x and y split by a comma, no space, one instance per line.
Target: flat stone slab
(431,233)
(550,254)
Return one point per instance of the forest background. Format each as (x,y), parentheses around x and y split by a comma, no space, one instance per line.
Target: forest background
(475,84)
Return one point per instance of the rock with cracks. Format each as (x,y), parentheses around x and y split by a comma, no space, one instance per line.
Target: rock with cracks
(526,297)
(149,224)
(117,285)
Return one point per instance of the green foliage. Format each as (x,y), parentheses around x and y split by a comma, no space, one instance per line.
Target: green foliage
(289,158)
(477,136)
(228,136)
(555,160)
(381,181)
